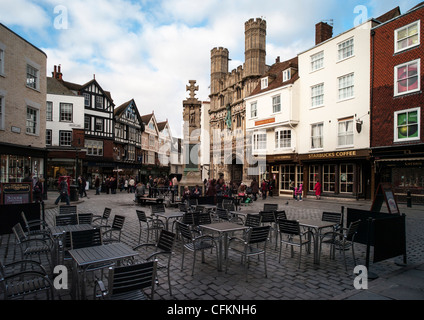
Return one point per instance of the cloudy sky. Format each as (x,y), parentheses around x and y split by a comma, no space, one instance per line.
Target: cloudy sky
(149,49)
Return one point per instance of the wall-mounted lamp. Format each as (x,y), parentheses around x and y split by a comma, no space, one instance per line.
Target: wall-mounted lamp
(359,125)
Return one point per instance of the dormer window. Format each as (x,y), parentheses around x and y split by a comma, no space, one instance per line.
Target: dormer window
(264,83)
(286,75)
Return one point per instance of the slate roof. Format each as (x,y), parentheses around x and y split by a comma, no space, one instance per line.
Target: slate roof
(275,76)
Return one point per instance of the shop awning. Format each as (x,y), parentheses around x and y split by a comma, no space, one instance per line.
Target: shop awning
(400,159)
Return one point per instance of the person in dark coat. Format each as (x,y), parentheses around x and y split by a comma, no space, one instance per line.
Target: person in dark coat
(254,185)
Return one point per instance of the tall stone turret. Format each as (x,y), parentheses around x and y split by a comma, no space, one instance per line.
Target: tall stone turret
(255,47)
(219,67)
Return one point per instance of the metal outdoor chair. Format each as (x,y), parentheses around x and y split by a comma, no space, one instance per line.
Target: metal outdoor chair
(113,233)
(162,252)
(195,243)
(278,215)
(68,209)
(343,240)
(30,245)
(85,218)
(35,226)
(254,244)
(268,218)
(31,278)
(128,282)
(158,208)
(290,234)
(151,225)
(86,238)
(336,217)
(66,219)
(104,218)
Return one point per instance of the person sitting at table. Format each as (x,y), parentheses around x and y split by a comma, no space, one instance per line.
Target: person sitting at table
(139,191)
(186,194)
(196,192)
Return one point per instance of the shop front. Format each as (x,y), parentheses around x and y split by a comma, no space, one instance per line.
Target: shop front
(345,174)
(285,172)
(405,175)
(18,163)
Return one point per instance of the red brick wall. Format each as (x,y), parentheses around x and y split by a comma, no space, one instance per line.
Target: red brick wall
(384,103)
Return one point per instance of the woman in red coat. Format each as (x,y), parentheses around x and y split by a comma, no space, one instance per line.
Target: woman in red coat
(317,189)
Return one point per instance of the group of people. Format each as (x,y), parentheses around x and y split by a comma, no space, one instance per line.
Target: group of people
(298,191)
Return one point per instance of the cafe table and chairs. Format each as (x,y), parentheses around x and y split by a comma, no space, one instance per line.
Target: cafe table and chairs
(224,229)
(61,237)
(96,257)
(170,215)
(315,226)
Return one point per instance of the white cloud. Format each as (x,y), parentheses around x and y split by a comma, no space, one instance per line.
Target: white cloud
(22,13)
(149,50)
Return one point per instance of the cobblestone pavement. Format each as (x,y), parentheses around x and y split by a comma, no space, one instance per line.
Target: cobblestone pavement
(285,281)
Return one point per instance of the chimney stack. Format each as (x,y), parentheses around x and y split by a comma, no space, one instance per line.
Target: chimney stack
(277,60)
(56,73)
(323,32)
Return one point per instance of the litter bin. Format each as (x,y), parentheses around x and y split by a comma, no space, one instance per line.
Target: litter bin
(74,193)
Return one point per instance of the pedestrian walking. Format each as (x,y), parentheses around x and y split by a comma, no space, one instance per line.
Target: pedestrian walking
(97,185)
(264,189)
(63,192)
(299,192)
(255,189)
(317,190)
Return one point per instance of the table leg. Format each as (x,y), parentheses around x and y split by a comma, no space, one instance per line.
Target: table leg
(220,252)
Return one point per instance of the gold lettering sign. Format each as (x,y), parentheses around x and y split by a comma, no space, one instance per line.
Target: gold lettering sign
(339,154)
(266,121)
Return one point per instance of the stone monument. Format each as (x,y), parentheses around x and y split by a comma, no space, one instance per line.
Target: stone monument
(191,140)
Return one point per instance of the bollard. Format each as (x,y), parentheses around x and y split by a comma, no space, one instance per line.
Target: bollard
(408,199)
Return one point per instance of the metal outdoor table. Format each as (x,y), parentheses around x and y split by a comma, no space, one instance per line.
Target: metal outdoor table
(316,225)
(223,228)
(169,215)
(84,257)
(59,231)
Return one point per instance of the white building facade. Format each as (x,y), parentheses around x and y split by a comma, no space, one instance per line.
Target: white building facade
(272,117)
(333,147)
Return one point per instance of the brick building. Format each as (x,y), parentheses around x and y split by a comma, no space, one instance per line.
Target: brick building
(397,137)
(22,108)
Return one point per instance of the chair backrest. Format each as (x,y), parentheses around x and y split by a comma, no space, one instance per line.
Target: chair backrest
(222,214)
(158,208)
(332,217)
(141,215)
(24,219)
(185,231)
(270,206)
(118,222)
(86,238)
(267,216)
(133,277)
(229,206)
(19,233)
(280,215)
(68,209)
(202,218)
(352,230)
(199,209)
(106,213)
(188,218)
(252,220)
(85,218)
(289,226)
(66,219)
(166,240)
(193,202)
(258,234)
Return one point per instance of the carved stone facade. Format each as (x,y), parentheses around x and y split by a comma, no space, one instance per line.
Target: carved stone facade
(229,143)
(191,131)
